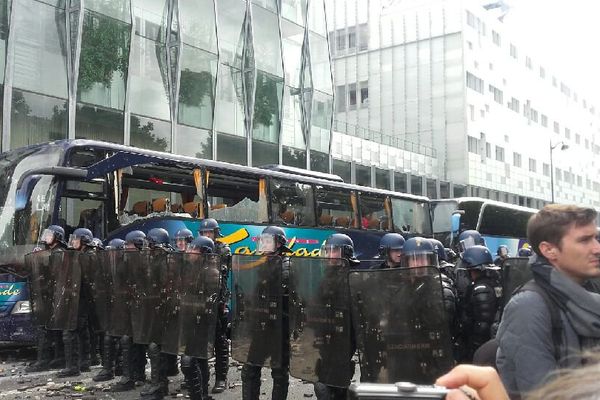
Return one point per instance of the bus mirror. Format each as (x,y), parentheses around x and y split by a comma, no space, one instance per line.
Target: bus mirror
(455,223)
(24,192)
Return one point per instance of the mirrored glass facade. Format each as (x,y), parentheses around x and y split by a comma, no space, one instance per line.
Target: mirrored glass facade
(244,81)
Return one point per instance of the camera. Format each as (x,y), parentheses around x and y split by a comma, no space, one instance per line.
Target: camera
(398,390)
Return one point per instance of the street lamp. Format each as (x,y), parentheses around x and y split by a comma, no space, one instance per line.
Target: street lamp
(563,146)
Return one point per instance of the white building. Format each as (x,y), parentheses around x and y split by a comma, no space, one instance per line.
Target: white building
(447,76)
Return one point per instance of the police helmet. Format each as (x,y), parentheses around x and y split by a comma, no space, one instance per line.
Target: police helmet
(81,237)
(477,257)
(502,251)
(158,237)
(419,252)
(97,243)
(210,224)
(439,249)
(272,239)
(469,238)
(525,252)
(116,244)
(137,238)
(390,241)
(201,244)
(339,245)
(53,233)
(184,234)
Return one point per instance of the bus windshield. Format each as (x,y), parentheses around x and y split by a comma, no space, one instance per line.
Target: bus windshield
(19,230)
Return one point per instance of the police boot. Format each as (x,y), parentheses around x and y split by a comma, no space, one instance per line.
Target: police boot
(156,388)
(250,382)
(43,352)
(118,358)
(85,349)
(139,362)
(70,339)
(205,371)
(221,362)
(59,350)
(321,391)
(192,377)
(126,382)
(108,360)
(280,383)
(172,369)
(96,347)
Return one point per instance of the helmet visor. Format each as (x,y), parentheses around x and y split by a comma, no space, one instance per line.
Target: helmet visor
(328,251)
(74,242)
(419,259)
(209,233)
(466,243)
(195,249)
(181,243)
(502,251)
(266,244)
(47,236)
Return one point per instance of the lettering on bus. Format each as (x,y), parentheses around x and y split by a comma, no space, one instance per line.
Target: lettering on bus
(9,291)
(301,247)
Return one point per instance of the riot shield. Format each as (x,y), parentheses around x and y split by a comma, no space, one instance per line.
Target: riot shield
(42,286)
(400,324)
(190,330)
(120,295)
(257,334)
(321,349)
(515,273)
(66,268)
(95,288)
(374,263)
(149,280)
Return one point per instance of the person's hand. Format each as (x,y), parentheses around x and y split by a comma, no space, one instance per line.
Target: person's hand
(472,382)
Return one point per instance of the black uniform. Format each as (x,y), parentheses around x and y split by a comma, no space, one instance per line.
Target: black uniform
(251,373)
(221,342)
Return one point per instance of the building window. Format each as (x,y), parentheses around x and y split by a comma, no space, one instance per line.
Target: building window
(556,127)
(546,169)
(352,96)
(351,38)
(567,133)
(498,95)
(340,98)
(364,93)
(496,38)
(587,144)
(363,37)
(579,181)
(473,144)
(514,105)
(488,150)
(544,120)
(340,40)
(499,153)
(472,112)
(542,73)
(532,165)
(565,89)
(528,63)
(470,45)
(517,160)
(474,83)
(534,115)
(470,19)
(513,51)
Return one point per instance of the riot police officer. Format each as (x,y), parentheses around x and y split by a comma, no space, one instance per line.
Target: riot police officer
(183,238)
(462,280)
(272,242)
(501,254)
(133,354)
(195,370)
(390,250)
(482,298)
(468,238)
(525,252)
(158,239)
(109,343)
(53,240)
(209,228)
(337,246)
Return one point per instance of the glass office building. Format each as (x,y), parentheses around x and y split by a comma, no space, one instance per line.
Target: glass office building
(244,81)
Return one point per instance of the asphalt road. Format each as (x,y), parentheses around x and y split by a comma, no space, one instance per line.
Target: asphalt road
(15,383)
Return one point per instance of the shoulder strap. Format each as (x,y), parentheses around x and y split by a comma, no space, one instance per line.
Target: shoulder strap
(555,318)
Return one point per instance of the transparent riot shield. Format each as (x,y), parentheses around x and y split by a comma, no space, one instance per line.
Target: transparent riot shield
(400,325)
(194,323)
(42,286)
(149,280)
(120,266)
(321,349)
(95,287)
(66,268)
(515,273)
(171,301)
(257,334)
(374,263)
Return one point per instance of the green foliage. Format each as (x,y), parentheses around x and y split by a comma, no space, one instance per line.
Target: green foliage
(195,87)
(267,99)
(142,136)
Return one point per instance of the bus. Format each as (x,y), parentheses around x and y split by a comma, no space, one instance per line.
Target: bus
(499,223)
(113,189)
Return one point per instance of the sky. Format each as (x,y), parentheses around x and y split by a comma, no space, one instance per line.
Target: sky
(565,35)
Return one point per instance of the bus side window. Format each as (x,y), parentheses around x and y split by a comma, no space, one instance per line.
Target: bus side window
(411,216)
(334,208)
(374,214)
(236,198)
(292,203)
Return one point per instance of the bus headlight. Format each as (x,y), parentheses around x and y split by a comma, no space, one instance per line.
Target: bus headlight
(22,307)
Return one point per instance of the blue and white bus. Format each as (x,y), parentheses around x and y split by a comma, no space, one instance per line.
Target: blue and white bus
(112,189)
(499,223)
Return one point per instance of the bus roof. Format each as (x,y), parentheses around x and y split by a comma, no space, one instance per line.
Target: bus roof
(487,201)
(171,158)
